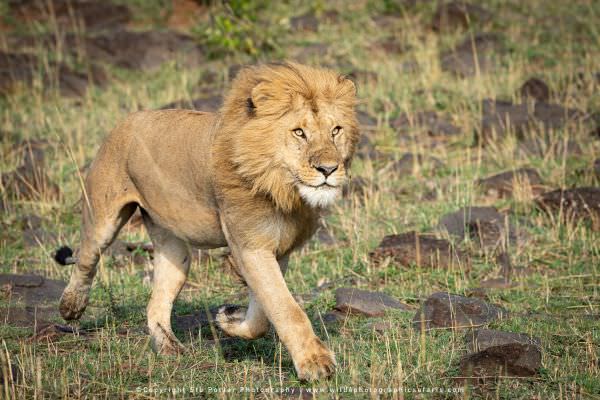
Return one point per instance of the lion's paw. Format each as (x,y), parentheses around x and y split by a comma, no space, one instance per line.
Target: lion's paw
(316,362)
(165,343)
(73,302)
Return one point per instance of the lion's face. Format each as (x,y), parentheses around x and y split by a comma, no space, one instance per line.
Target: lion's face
(296,134)
(317,149)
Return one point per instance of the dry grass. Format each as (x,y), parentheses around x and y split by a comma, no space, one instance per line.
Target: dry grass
(557,300)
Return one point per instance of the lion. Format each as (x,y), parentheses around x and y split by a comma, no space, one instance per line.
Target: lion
(254,176)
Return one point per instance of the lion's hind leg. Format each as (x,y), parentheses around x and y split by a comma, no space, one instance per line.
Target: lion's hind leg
(171,265)
(98,230)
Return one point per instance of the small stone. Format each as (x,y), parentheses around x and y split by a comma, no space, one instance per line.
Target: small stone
(581,203)
(445,310)
(333,317)
(536,89)
(364,302)
(502,185)
(497,353)
(412,248)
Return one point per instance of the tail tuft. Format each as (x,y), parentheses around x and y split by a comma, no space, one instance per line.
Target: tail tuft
(64,256)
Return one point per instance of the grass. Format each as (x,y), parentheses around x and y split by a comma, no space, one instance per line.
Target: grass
(557,301)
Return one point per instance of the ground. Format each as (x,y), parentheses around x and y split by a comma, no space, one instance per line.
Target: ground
(443,106)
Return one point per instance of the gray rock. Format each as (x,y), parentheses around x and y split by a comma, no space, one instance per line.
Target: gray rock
(412,248)
(501,117)
(445,310)
(536,89)
(32,289)
(484,225)
(364,302)
(497,353)
(581,203)
(501,185)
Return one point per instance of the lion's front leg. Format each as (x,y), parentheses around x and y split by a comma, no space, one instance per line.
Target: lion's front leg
(312,359)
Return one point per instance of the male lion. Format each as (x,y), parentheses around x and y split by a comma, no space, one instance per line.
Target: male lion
(253,176)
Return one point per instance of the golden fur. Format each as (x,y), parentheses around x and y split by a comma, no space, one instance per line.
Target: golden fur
(253,177)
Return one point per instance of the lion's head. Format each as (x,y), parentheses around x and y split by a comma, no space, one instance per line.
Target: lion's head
(292,131)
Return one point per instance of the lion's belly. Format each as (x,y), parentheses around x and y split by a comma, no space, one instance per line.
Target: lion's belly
(197,225)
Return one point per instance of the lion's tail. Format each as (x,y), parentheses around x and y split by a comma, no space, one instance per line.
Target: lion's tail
(64,256)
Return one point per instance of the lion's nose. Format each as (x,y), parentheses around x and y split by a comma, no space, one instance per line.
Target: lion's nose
(326,169)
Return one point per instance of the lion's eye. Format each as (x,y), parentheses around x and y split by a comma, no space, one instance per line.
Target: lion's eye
(299,132)
(336,131)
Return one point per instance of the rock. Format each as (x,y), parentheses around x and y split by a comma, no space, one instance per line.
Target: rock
(501,117)
(581,203)
(24,69)
(145,50)
(27,317)
(94,15)
(484,225)
(497,353)
(410,163)
(413,248)
(536,89)
(209,104)
(364,302)
(547,147)
(473,55)
(52,332)
(32,289)
(425,122)
(502,185)
(457,14)
(445,310)
(334,317)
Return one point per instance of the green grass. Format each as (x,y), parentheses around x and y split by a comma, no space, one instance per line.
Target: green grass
(558,301)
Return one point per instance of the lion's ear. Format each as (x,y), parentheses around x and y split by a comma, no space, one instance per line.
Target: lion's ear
(346,87)
(259,94)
